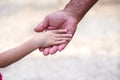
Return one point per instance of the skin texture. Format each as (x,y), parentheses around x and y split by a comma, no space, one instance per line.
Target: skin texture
(62,21)
(68,18)
(41,40)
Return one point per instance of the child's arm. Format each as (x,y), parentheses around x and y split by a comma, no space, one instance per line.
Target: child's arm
(43,39)
(10,56)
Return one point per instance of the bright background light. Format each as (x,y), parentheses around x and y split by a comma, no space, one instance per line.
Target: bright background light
(93,53)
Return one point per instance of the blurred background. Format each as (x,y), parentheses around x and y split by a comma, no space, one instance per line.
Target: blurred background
(93,53)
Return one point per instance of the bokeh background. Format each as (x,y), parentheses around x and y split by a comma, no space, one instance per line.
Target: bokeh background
(93,53)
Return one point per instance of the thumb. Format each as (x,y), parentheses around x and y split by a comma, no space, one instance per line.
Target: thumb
(42,26)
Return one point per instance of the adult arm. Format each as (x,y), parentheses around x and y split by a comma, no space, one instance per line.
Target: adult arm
(68,18)
(78,8)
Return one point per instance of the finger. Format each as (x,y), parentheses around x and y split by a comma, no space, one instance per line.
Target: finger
(71,27)
(53,50)
(60,31)
(46,51)
(63,39)
(62,46)
(42,26)
(60,42)
(64,35)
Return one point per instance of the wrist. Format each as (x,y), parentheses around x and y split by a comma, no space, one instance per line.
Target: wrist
(78,8)
(32,44)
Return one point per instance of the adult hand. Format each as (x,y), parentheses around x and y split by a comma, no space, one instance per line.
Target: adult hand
(58,20)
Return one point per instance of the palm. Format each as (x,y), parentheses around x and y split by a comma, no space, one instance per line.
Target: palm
(57,20)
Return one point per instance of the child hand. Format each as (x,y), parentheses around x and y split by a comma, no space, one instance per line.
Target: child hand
(52,37)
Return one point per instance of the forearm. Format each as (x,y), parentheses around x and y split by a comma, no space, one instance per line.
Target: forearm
(10,56)
(78,8)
